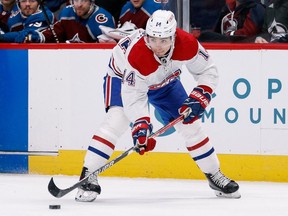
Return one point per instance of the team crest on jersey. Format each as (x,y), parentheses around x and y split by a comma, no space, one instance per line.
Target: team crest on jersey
(101,18)
(75,39)
(277,27)
(229,23)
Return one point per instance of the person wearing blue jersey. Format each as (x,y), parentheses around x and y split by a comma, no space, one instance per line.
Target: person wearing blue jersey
(30,17)
(78,23)
(7,7)
(134,14)
(138,12)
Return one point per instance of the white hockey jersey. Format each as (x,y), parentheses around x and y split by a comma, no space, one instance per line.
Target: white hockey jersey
(117,61)
(144,71)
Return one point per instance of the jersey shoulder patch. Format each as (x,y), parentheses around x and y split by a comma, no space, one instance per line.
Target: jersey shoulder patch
(102,16)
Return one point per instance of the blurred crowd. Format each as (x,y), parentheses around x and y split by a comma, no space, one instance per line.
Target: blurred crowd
(252,21)
(83,21)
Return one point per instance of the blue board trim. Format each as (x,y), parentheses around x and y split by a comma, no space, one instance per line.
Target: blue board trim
(13,109)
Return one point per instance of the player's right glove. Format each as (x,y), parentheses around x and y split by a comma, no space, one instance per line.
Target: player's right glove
(194,106)
(140,132)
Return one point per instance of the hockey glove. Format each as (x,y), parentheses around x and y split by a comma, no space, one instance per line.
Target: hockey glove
(9,37)
(140,132)
(28,36)
(194,106)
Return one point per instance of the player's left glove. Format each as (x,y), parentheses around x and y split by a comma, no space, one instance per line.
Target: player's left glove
(194,106)
(140,132)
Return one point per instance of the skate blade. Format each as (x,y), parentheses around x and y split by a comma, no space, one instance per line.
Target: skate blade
(85,199)
(235,195)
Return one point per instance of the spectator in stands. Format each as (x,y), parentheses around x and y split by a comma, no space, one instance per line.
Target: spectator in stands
(30,17)
(134,14)
(79,23)
(138,12)
(239,21)
(7,7)
(112,6)
(275,27)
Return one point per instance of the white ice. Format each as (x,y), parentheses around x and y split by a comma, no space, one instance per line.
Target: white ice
(27,195)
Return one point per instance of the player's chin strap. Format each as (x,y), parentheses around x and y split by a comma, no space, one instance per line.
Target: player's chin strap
(57,192)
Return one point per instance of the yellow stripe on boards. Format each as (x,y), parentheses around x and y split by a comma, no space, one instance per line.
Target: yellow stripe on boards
(167,165)
(68,162)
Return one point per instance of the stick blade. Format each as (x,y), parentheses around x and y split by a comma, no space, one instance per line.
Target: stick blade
(53,189)
(57,192)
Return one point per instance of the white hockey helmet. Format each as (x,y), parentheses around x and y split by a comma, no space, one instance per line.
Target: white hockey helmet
(161,24)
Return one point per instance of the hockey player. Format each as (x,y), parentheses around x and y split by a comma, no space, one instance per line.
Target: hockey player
(153,65)
(79,23)
(116,123)
(30,17)
(7,7)
(152,62)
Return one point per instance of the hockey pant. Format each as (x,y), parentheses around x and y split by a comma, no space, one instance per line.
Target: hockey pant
(199,146)
(104,140)
(167,101)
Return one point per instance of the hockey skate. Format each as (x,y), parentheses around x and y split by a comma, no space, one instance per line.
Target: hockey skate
(223,186)
(88,191)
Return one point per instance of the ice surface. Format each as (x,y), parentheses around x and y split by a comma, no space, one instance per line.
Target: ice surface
(27,195)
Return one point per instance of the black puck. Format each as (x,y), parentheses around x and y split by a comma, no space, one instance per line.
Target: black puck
(54,206)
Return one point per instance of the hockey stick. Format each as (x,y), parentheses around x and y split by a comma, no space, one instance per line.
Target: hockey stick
(48,21)
(57,192)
